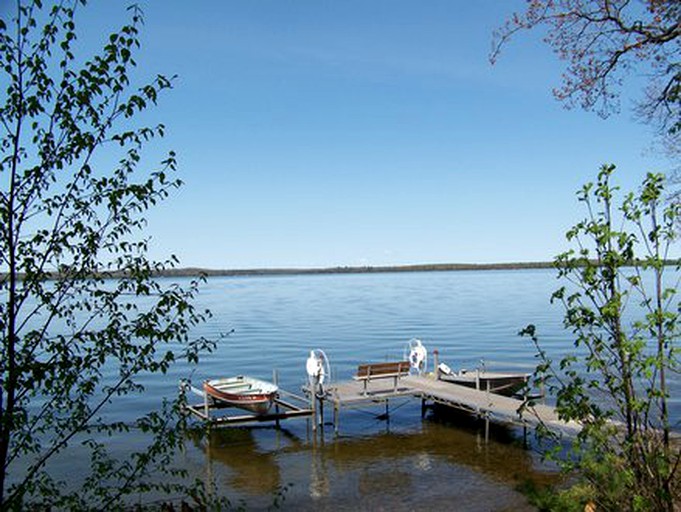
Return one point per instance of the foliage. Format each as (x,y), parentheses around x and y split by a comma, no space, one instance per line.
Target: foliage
(604,40)
(82,318)
(624,318)
(572,499)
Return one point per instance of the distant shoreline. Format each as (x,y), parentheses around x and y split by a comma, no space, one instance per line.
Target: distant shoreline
(434,267)
(429,267)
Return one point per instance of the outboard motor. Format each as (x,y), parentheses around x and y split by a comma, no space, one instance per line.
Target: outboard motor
(417,355)
(318,371)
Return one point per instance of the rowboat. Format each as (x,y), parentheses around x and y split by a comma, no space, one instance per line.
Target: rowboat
(502,383)
(248,393)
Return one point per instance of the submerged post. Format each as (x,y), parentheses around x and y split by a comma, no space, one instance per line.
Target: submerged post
(336,417)
(321,411)
(313,406)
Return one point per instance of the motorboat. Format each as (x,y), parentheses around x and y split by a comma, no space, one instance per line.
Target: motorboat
(502,383)
(248,393)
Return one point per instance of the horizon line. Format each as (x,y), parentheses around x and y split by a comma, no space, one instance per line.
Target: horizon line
(360,269)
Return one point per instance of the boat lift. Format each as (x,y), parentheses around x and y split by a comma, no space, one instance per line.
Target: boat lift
(286,405)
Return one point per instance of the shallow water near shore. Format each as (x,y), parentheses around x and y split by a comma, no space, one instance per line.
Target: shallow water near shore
(432,465)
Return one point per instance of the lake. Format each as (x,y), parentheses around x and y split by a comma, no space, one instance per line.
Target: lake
(441,462)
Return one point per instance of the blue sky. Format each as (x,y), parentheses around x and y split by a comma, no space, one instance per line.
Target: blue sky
(316,133)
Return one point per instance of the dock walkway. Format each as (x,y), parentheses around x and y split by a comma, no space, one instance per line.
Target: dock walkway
(488,405)
(354,394)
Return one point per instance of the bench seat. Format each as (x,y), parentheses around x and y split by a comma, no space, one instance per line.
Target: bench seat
(372,371)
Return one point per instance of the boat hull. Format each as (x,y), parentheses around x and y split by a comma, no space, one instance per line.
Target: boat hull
(506,384)
(243,392)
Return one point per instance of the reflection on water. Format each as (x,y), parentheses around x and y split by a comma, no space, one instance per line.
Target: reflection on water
(439,465)
(252,471)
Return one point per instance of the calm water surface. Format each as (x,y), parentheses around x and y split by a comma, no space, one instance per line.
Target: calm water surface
(441,462)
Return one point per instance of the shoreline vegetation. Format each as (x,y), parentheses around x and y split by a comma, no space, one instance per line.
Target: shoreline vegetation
(428,267)
(434,267)
(293,271)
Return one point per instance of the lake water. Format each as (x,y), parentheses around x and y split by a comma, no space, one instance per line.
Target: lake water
(442,462)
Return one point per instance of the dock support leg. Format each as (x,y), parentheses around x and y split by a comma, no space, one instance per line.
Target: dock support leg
(313,406)
(336,418)
(275,379)
(321,412)
(486,428)
(206,411)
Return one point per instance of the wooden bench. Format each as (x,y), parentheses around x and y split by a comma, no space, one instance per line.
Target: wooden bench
(372,371)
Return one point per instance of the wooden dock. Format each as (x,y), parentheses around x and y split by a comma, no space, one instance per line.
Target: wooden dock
(490,406)
(380,391)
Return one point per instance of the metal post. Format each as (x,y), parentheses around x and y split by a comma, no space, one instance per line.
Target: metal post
(436,364)
(423,408)
(336,417)
(477,379)
(205,405)
(275,379)
(313,406)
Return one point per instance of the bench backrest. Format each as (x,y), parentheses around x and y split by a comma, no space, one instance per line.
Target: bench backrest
(370,369)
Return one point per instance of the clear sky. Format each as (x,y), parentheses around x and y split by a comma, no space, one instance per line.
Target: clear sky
(315,133)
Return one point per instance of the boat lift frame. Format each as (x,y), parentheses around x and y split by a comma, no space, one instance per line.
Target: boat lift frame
(285,407)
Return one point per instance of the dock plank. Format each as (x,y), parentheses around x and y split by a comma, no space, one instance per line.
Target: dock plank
(496,407)
(500,407)
(354,391)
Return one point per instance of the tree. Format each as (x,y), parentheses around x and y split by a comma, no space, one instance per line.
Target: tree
(624,315)
(604,40)
(81,316)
